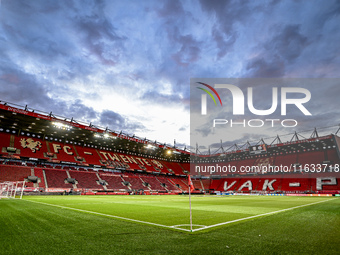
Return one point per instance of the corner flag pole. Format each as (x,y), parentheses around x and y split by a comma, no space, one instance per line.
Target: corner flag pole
(190,211)
(190,187)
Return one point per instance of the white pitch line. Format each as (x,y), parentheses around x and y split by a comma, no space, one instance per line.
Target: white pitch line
(255,216)
(112,216)
(175,226)
(188,225)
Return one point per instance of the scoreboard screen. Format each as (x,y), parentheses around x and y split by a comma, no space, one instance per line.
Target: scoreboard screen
(257,149)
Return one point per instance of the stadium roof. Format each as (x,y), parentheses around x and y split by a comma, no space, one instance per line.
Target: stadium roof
(23,120)
(26,121)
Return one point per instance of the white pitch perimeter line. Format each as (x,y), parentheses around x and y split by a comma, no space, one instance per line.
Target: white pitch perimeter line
(112,216)
(255,216)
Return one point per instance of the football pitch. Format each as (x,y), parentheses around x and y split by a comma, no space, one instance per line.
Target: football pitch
(160,225)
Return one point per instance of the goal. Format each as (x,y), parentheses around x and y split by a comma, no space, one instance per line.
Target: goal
(12,189)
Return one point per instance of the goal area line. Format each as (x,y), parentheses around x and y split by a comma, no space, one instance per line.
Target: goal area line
(178,226)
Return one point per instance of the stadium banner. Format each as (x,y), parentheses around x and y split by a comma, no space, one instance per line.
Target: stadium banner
(309,195)
(57,189)
(242,127)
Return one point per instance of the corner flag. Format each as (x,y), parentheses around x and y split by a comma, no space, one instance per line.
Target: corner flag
(191,185)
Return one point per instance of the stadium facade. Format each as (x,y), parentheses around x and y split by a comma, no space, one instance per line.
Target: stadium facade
(53,154)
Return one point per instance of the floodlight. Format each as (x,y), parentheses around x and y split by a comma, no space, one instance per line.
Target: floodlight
(61,125)
(149,146)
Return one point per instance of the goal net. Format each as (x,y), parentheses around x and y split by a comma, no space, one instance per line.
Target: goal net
(12,189)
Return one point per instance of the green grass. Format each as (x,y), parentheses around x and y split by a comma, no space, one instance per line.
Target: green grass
(28,227)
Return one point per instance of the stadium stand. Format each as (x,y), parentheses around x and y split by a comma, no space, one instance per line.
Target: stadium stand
(312,157)
(205,183)
(155,184)
(182,184)
(115,182)
(173,167)
(14,173)
(38,172)
(90,156)
(170,186)
(86,180)
(135,182)
(56,179)
(124,164)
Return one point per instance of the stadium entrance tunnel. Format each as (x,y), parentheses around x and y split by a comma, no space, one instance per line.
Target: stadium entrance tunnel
(102,182)
(126,183)
(33,179)
(71,180)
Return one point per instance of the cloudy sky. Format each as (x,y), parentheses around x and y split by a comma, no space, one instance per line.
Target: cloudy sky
(127,65)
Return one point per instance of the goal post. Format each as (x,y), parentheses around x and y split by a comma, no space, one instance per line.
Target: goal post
(10,189)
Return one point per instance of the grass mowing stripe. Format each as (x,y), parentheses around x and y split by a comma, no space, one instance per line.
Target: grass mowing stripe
(181,226)
(28,228)
(255,216)
(112,216)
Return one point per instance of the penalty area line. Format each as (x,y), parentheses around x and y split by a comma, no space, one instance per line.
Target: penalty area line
(255,216)
(111,216)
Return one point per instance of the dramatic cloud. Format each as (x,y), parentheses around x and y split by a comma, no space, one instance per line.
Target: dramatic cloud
(119,123)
